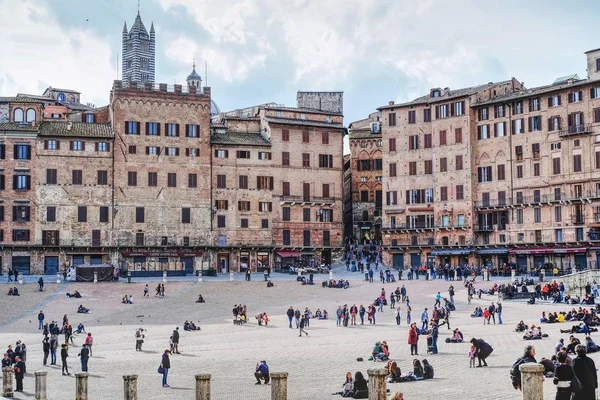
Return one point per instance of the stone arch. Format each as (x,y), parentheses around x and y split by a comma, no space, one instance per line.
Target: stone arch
(500,156)
(484,159)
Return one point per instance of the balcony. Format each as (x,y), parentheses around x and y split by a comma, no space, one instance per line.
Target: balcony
(574,130)
(307,200)
(483,228)
(450,226)
(409,227)
(493,203)
(578,219)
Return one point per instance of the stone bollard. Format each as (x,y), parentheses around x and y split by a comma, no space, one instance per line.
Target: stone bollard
(377,386)
(532,381)
(130,387)
(542,275)
(7,382)
(455,274)
(95,277)
(57,278)
(164,276)
(428,274)
(81,386)
(203,387)
(279,385)
(231,276)
(40,385)
(330,275)
(486,276)
(513,275)
(199,275)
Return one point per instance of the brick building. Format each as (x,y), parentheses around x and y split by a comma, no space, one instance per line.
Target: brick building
(366,145)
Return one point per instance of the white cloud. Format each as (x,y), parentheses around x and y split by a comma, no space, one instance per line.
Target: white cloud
(37,52)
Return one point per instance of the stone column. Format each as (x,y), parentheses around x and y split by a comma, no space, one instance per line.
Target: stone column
(231,276)
(130,387)
(377,386)
(330,275)
(532,381)
(279,385)
(203,387)
(485,275)
(513,275)
(40,385)
(542,275)
(81,386)
(7,382)
(164,276)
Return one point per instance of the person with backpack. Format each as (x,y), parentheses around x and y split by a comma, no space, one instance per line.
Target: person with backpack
(515,373)
(139,339)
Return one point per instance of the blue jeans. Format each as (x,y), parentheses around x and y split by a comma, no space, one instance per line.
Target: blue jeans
(41,324)
(408,319)
(84,362)
(52,356)
(165,373)
(290,318)
(434,344)
(424,324)
(339,321)
(499,317)
(297,322)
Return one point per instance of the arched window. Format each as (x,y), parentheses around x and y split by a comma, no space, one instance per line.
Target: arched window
(61,97)
(18,115)
(30,115)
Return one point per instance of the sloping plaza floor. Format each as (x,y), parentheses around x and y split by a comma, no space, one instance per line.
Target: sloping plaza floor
(316,364)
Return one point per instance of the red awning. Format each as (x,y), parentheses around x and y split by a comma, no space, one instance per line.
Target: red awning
(288,254)
(549,250)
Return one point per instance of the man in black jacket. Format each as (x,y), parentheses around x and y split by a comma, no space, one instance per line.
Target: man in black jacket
(585,370)
(84,355)
(515,373)
(290,315)
(46,348)
(19,373)
(176,341)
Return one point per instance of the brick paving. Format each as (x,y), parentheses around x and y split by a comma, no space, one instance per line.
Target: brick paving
(316,364)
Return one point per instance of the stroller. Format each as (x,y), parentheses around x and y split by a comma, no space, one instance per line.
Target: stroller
(429,345)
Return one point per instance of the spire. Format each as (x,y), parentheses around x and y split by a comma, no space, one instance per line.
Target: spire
(152,27)
(125,27)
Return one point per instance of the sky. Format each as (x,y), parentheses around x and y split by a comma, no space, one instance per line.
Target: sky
(261,51)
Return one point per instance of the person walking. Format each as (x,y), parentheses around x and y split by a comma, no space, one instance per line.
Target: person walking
(408,310)
(162,290)
(165,365)
(585,370)
(53,348)
(89,341)
(176,341)
(139,339)
(438,297)
(451,293)
(64,354)
(41,317)
(290,315)
(46,348)
(84,356)
(398,316)
(297,318)
(146,291)
(19,369)
(301,326)
(424,319)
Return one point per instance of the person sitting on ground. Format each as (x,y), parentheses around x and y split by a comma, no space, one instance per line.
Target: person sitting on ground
(573,342)
(394,372)
(378,352)
(361,389)
(578,329)
(418,369)
(533,334)
(552,317)
(75,294)
(559,345)
(347,387)
(590,345)
(477,313)
(325,315)
(80,328)
(13,291)
(457,337)
(427,370)
(124,299)
(262,373)
(531,298)
(193,326)
(82,310)
(318,314)
(543,319)
(130,299)
(521,327)
(200,299)
(270,284)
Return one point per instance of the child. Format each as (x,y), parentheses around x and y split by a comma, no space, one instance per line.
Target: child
(472,354)
(146,294)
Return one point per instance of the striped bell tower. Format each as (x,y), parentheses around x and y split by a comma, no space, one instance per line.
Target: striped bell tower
(139,49)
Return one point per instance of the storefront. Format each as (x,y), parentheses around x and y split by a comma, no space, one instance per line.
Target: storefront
(562,258)
(452,256)
(287,258)
(493,258)
(398,260)
(154,263)
(22,264)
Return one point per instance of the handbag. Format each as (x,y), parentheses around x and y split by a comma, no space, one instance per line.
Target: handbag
(576,385)
(161,370)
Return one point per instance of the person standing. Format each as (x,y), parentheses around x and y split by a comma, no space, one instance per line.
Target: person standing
(492,310)
(176,341)
(515,373)
(53,348)
(41,284)
(84,356)
(64,354)
(19,373)
(165,364)
(89,341)
(563,376)
(451,293)
(297,318)
(499,312)
(139,339)
(434,336)
(339,313)
(301,326)
(413,339)
(585,370)
(424,319)
(398,316)
(41,317)
(290,315)
(10,274)
(483,351)
(353,312)
(370,275)
(361,314)
(23,355)
(408,310)
(162,290)
(46,348)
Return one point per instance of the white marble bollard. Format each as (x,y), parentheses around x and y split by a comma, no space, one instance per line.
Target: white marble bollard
(513,275)
(532,381)
(231,278)
(41,385)
(164,276)
(95,277)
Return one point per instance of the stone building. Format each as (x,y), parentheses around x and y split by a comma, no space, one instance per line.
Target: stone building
(139,52)
(366,146)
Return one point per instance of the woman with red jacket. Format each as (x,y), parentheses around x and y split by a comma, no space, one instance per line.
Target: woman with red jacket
(413,339)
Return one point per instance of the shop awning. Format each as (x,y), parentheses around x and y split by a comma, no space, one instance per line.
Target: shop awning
(288,254)
(549,250)
(492,251)
(451,252)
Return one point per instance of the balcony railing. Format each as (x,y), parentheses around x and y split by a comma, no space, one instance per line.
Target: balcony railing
(578,219)
(307,199)
(545,198)
(580,129)
(407,227)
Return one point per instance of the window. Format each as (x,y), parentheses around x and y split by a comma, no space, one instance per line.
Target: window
(77,145)
(441,111)
(393,167)
(519,153)
(326,238)
(500,129)
(519,171)
(392,144)
(152,179)
(444,193)
(412,167)
(556,165)
(172,151)
(264,223)
(305,136)
(102,178)
(427,141)
(306,214)
(192,180)
(555,146)
(192,152)
(139,238)
(443,164)
(306,238)
(519,215)
(264,183)
(152,150)
(152,128)
(518,107)
(103,214)
(285,188)
(458,135)
(325,137)
(22,152)
(363,144)
(21,182)
(537,215)
(577,163)
(172,179)
(305,160)
(536,169)
(379,143)
(286,214)
(575,97)
(557,194)
(412,117)
(392,198)
(535,149)
(502,198)
(459,108)
(286,237)
(172,129)
(483,132)
(139,215)
(77,177)
(243,154)
(96,237)
(483,114)
(442,138)
(131,178)
(427,115)
(499,111)
(285,135)
(535,124)
(102,147)
(243,205)
(186,215)
(484,174)
(326,190)
(557,214)
(458,161)
(242,182)
(265,206)
(20,235)
(81,214)
(534,104)
(285,158)
(392,119)
(18,115)
(191,131)
(132,128)
(554,101)
(50,214)
(222,204)
(578,234)
(460,195)
(264,155)
(51,176)
(1,181)
(221,153)
(220,221)
(558,235)
(51,144)
(21,213)
(595,92)
(518,126)
(326,161)
(413,142)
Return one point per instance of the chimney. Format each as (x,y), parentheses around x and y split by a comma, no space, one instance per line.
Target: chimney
(391,103)
(446,91)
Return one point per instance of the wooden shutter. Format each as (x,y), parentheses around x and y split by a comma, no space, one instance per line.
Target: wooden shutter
(176,129)
(437,112)
(330,161)
(530,124)
(96,146)
(571,120)
(126,128)
(550,100)
(71,145)
(147,128)
(28,182)
(559,100)
(187,130)
(479,174)
(45,145)
(57,145)
(597,159)
(451,106)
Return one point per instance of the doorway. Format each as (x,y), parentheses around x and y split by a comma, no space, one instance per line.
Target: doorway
(50,265)
(188,264)
(223,263)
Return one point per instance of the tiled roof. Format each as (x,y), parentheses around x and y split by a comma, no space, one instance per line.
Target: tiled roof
(18,126)
(76,106)
(247,139)
(62,90)
(535,91)
(427,99)
(78,129)
(20,100)
(303,122)
(308,110)
(364,134)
